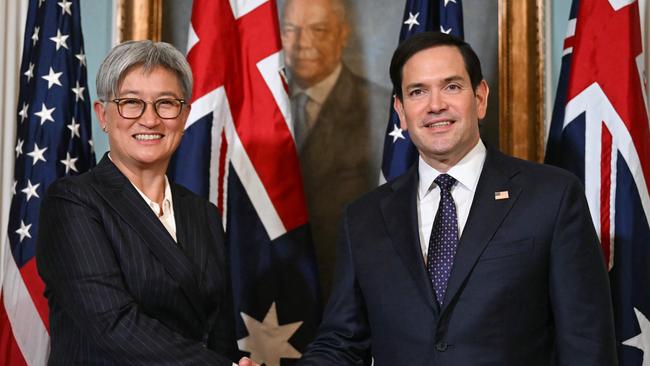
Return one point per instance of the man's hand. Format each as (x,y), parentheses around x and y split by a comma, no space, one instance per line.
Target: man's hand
(245,361)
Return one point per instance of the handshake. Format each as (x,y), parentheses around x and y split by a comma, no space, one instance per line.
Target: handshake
(245,361)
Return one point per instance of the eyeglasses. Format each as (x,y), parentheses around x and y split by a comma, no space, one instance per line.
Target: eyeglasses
(132,108)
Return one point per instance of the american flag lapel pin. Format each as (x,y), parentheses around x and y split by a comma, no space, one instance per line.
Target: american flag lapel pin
(501,195)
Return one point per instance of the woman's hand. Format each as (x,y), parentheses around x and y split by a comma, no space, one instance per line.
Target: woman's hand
(245,361)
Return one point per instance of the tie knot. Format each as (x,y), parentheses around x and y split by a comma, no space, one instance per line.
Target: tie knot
(301,99)
(445,182)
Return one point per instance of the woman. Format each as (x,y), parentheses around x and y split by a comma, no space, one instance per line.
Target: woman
(134,266)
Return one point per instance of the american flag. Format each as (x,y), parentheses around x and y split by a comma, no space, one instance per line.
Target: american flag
(53,140)
(239,152)
(600,131)
(419,16)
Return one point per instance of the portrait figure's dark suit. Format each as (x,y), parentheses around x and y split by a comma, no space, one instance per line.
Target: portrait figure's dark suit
(121,291)
(528,285)
(341,158)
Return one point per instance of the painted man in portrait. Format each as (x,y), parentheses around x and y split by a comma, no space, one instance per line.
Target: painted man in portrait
(339,118)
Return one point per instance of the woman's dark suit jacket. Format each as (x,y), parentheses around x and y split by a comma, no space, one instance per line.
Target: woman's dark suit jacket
(121,291)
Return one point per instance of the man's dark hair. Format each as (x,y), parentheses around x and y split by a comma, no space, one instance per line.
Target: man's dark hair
(424,41)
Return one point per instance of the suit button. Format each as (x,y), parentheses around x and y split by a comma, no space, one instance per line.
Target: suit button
(441,346)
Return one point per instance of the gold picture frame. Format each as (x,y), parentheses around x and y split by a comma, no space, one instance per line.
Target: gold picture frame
(139,19)
(521,78)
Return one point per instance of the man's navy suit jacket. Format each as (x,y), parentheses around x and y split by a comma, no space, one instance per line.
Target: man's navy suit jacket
(121,291)
(528,286)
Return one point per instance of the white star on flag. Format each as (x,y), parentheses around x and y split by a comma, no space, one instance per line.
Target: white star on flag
(60,40)
(641,340)
(23,112)
(449,1)
(65,7)
(53,78)
(74,128)
(78,91)
(92,145)
(35,35)
(445,31)
(19,147)
(69,163)
(30,72)
(45,114)
(81,57)
(267,341)
(13,188)
(412,20)
(30,190)
(396,133)
(37,154)
(23,231)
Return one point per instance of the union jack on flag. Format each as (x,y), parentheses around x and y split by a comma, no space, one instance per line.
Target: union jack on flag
(600,131)
(419,16)
(238,151)
(53,140)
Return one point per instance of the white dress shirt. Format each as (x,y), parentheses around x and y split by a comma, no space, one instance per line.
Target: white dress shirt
(467,173)
(167,217)
(317,94)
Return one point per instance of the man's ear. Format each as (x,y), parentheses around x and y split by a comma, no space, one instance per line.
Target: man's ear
(482,92)
(345,34)
(399,108)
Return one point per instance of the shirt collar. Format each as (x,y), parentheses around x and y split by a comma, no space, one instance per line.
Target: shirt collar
(319,92)
(167,202)
(467,171)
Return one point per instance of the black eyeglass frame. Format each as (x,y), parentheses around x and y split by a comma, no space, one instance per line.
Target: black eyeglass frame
(117,101)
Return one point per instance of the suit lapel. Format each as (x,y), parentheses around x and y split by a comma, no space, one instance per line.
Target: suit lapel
(119,194)
(343,89)
(485,217)
(192,241)
(332,114)
(400,214)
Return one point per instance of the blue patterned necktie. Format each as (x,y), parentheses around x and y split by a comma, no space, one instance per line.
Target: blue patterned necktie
(444,238)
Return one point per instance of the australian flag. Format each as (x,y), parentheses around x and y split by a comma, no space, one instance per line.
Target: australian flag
(600,132)
(53,140)
(239,152)
(419,16)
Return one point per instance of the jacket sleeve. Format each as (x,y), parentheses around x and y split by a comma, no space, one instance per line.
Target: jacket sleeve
(579,286)
(344,335)
(84,280)
(222,336)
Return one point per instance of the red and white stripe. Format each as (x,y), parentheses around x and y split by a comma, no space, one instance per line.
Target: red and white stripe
(244,89)
(605,135)
(26,311)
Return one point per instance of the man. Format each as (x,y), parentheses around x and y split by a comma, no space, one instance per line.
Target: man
(339,117)
(472,257)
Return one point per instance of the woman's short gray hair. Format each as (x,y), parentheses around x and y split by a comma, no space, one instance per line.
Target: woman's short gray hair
(147,54)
